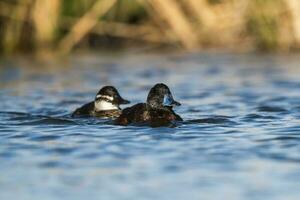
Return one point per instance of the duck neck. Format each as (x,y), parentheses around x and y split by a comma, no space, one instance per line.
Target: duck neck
(161,108)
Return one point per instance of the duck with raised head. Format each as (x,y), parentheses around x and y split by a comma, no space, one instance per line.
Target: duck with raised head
(106,104)
(157,111)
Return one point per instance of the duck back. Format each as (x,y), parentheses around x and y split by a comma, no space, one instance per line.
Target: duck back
(85,110)
(140,114)
(134,114)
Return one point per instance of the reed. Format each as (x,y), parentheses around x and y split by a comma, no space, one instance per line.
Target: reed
(179,25)
(12,26)
(61,26)
(45,14)
(294,10)
(84,25)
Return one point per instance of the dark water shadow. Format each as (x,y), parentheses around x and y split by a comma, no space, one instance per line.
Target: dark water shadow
(20,118)
(212,120)
(267,108)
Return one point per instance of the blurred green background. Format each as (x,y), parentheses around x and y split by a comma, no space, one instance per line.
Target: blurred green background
(62,26)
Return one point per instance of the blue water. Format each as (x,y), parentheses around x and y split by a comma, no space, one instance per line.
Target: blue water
(240,138)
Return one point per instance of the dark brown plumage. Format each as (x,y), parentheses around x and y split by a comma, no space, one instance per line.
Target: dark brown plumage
(153,113)
(89,110)
(105,105)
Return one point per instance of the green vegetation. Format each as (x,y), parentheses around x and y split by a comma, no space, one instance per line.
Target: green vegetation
(263,23)
(61,26)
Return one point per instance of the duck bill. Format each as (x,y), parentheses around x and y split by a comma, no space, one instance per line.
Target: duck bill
(169,101)
(119,100)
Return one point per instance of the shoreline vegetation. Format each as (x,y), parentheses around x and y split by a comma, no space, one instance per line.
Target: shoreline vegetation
(60,27)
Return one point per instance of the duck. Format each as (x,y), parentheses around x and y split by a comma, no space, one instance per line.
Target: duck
(105,105)
(157,111)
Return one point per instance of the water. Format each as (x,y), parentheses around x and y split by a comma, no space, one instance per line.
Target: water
(240,138)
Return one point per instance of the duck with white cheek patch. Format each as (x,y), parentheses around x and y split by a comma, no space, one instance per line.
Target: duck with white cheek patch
(106,104)
(157,111)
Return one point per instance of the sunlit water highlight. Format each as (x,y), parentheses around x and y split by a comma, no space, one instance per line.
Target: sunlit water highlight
(240,138)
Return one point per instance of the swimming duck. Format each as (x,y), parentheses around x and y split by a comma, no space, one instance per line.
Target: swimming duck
(157,111)
(106,104)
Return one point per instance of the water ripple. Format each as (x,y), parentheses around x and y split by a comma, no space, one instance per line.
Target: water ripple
(240,138)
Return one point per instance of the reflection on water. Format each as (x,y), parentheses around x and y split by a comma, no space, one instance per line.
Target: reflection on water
(240,138)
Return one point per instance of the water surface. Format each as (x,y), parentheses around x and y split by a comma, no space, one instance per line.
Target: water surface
(240,138)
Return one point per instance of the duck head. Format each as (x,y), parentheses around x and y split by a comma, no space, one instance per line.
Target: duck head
(160,97)
(108,98)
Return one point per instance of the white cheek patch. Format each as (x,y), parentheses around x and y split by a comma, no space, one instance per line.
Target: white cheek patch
(104,105)
(104,97)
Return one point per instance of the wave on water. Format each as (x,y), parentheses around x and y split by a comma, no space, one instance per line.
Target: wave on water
(21,118)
